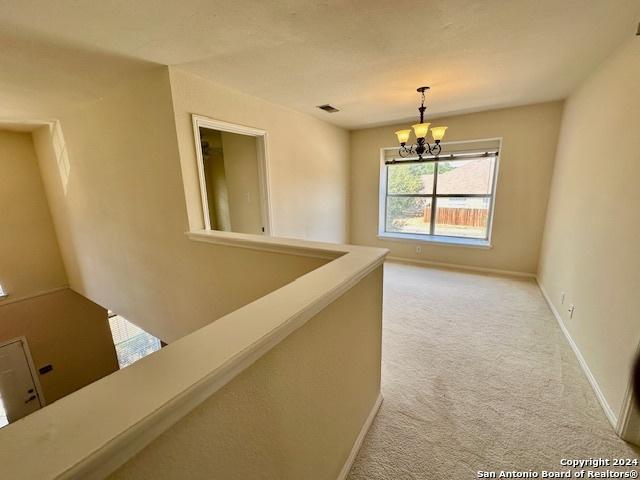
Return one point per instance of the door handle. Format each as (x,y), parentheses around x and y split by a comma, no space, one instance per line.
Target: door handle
(30,399)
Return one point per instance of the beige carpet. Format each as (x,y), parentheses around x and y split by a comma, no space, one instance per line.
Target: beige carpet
(477,376)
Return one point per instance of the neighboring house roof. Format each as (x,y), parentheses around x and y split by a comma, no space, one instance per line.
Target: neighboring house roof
(470,177)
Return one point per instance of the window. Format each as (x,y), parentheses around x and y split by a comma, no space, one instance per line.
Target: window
(449,199)
(131,342)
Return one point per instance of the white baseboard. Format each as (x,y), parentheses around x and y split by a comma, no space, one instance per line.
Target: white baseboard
(611,416)
(629,419)
(461,267)
(358,443)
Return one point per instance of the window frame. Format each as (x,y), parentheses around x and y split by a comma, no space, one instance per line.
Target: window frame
(447,148)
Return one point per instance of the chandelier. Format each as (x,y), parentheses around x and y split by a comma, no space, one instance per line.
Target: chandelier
(422,147)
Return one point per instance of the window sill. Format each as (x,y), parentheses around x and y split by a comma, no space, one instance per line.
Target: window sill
(439,240)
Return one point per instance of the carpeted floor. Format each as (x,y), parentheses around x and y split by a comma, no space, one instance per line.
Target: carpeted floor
(477,376)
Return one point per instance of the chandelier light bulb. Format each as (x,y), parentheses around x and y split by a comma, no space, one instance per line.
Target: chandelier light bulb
(421,129)
(403,136)
(438,133)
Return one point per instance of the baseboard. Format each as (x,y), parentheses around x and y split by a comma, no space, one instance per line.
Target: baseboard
(358,443)
(611,416)
(629,420)
(461,267)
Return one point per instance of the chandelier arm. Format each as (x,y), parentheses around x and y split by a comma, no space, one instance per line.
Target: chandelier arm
(405,151)
(436,149)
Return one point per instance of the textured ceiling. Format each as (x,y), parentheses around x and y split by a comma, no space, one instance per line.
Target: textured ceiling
(364,57)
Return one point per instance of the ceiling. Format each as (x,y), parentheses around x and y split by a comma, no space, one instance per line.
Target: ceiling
(364,57)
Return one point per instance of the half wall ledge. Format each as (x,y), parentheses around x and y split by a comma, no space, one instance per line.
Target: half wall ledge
(94,431)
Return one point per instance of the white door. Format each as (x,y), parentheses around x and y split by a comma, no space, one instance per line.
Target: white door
(18,393)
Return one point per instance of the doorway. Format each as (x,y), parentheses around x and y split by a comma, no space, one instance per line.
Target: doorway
(20,392)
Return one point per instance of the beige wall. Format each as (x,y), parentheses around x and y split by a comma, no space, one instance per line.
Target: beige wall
(591,248)
(271,422)
(30,261)
(308,158)
(114,184)
(243,183)
(67,331)
(62,328)
(529,135)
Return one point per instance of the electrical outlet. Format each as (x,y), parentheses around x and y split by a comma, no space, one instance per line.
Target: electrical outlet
(562,297)
(418,249)
(572,308)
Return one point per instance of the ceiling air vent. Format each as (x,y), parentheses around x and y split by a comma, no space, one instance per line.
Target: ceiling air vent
(328,108)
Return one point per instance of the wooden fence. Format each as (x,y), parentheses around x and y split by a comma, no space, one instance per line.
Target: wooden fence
(468,217)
